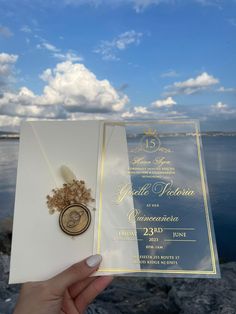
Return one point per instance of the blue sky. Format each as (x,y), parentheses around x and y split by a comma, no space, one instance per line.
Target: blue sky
(121,59)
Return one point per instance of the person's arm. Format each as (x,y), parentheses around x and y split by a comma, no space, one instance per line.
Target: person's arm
(69,292)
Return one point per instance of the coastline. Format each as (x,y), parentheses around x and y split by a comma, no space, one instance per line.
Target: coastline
(12,136)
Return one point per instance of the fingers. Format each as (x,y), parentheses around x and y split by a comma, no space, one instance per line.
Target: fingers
(90,293)
(76,272)
(78,287)
(68,305)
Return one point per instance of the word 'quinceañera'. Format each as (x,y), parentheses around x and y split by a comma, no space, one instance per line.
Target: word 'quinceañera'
(135,215)
(159,188)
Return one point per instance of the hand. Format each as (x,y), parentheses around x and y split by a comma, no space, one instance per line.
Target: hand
(69,292)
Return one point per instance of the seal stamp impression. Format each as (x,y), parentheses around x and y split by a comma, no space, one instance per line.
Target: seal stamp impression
(72,202)
(75,219)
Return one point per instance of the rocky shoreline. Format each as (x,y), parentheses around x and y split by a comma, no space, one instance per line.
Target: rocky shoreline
(140,295)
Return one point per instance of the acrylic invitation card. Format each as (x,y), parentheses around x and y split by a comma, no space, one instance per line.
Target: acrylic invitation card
(150,214)
(153,213)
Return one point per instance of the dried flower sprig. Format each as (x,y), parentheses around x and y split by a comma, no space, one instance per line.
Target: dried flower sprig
(73,191)
(70,193)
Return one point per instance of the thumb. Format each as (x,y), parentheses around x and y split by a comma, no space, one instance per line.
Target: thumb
(76,272)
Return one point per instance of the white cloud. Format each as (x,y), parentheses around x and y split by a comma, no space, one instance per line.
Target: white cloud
(164,103)
(127,114)
(57,52)
(109,49)
(193,85)
(154,111)
(223,89)
(220,106)
(216,3)
(79,89)
(127,38)
(140,5)
(24,96)
(33,111)
(223,111)
(170,73)
(70,56)
(137,112)
(150,115)
(232,21)
(9,123)
(26,29)
(70,90)
(7,58)
(48,46)
(7,62)
(5,31)
(142,110)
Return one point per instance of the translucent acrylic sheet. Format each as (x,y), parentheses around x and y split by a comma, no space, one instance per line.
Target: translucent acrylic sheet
(153,214)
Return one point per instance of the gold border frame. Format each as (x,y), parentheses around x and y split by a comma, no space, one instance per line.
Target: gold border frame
(204,191)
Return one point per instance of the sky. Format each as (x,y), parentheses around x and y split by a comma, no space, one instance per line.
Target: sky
(119,60)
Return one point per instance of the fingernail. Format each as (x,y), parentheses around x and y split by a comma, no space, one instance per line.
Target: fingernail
(94,260)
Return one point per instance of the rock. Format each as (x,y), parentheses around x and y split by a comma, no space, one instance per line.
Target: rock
(8,293)
(5,235)
(141,295)
(202,296)
(6,225)
(102,308)
(137,295)
(7,306)
(171,295)
(4,265)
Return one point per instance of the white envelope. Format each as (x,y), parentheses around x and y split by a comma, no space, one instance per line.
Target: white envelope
(40,249)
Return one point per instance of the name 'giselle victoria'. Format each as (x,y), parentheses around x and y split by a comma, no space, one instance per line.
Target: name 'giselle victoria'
(159,188)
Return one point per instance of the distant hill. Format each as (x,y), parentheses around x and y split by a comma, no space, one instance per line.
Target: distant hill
(16,135)
(218,133)
(9,135)
(178,134)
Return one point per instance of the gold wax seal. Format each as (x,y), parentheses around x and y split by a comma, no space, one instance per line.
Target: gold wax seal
(75,219)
